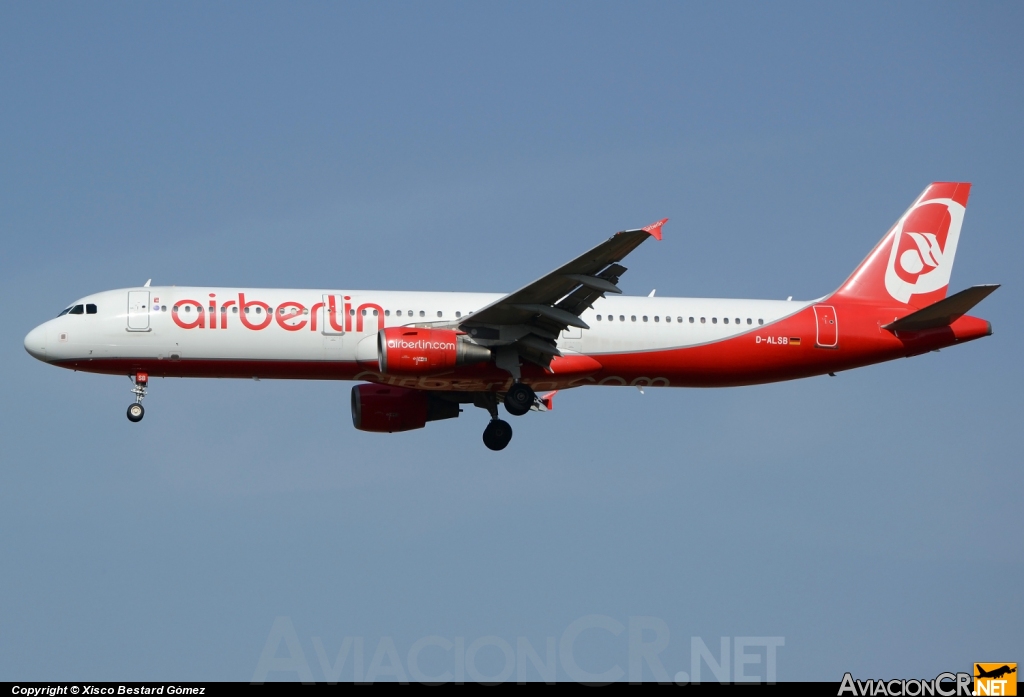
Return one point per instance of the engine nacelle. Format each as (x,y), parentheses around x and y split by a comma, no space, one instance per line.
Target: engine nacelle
(385,409)
(417,351)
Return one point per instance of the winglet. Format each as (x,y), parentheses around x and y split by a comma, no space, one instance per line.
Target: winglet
(655,228)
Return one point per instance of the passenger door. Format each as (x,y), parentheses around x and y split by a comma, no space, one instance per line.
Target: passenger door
(828,326)
(138,310)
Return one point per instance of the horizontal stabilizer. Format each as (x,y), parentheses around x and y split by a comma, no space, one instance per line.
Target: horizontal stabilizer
(944,312)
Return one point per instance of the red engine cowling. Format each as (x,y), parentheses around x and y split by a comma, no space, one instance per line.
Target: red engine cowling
(416,351)
(384,409)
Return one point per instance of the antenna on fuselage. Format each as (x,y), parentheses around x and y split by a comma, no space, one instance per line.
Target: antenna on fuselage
(146,284)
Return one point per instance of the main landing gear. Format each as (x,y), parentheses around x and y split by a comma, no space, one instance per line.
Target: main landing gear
(135,411)
(519,399)
(497,434)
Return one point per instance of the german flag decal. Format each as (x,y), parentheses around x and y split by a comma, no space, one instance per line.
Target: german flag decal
(794,341)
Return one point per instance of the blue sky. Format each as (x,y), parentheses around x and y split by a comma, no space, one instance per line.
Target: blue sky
(873,519)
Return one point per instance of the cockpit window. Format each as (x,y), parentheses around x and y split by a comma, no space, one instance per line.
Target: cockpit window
(77,310)
(65,311)
(90,309)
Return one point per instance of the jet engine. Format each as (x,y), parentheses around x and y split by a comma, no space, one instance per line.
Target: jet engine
(417,351)
(384,409)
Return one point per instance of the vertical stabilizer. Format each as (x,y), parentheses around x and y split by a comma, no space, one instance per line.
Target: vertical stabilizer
(913,262)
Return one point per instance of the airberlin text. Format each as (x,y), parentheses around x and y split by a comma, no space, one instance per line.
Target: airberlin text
(421,344)
(289,315)
(944,685)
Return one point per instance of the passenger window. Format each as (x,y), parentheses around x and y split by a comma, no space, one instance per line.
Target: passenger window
(77,310)
(439,313)
(714,320)
(726,320)
(632,318)
(398,313)
(364,313)
(188,308)
(259,310)
(737,320)
(749,321)
(703,320)
(90,309)
(622,318)
(387,313)
(422,313)
(760,321)
(691,320)
(352,312)
(459,314)
(234,310)
(599,318)
(645,318)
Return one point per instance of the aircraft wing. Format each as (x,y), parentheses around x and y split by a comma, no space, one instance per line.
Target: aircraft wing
(531,318)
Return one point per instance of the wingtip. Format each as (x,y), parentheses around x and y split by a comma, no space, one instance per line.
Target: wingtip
(655,228)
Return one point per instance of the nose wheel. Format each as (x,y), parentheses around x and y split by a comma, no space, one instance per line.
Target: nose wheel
(141,383)
(135,413)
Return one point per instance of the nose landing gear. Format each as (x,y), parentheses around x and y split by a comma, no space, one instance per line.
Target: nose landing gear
(135,411)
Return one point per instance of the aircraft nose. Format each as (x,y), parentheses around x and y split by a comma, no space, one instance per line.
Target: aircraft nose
(35,343)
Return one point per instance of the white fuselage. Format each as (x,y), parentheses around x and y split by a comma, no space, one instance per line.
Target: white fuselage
(299,329)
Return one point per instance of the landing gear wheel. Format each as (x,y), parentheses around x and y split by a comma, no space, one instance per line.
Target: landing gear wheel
(497,434)
(135,413)
(519,399)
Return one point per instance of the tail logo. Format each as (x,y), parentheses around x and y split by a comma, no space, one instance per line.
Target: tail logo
(923,247)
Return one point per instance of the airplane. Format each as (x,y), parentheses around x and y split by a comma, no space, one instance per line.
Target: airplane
(995,673)
(419,356)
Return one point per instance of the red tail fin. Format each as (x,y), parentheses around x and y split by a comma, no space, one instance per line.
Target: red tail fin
(913,262)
